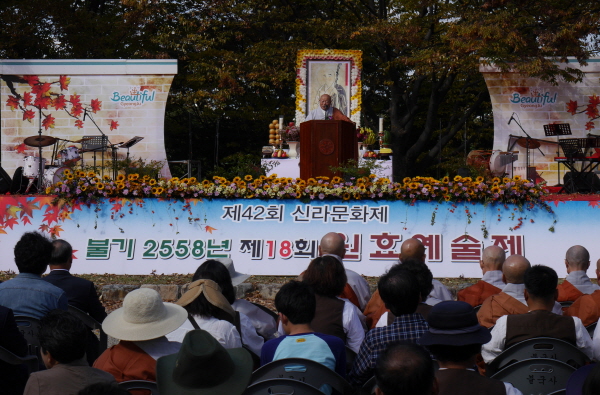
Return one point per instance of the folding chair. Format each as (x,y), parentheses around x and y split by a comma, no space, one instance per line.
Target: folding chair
(140,385)
(591,328)
(539,347)
(29,327)
(281,387)
(368,388)
(30,361)
(93,325)
(306,370)
(536,376)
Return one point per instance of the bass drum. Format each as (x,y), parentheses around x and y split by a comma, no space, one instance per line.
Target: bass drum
(52,175)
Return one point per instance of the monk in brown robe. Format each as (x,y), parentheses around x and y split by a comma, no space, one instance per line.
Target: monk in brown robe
(491,283)
(587,308)
(506,302)
(577,283)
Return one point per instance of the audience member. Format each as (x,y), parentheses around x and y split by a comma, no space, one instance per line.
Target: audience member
(540,294)
(411,249)
(512,298)
(217,272)
(27,294)
(296,304)
(586,308)
(11,339)
(356,289)
(424,278)
(405,369)
(80,292)
(264,324)
(103,389)
(140,325)
(400,292)
(577,283)
(455,338)
(208,310)
(592,382)
(491,283)
(333,316)
(62,339)
(203,367)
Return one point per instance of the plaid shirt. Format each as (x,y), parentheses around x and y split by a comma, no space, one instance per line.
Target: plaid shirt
(406,327)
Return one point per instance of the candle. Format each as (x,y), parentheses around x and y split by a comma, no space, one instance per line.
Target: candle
(281,122)
(381,124)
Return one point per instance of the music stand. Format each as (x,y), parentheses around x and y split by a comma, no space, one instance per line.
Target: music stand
(558,129)
(94,144)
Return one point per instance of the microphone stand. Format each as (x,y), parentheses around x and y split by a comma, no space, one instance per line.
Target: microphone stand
(108,144)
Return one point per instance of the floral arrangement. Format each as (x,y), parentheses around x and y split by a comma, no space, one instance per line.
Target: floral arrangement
(354,56)
(86,187)
(366,135)
(291,132)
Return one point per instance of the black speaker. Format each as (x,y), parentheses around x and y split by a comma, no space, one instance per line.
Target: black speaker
(581,183)
(5,181)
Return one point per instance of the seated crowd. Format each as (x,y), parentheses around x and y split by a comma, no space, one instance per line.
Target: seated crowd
(409,337)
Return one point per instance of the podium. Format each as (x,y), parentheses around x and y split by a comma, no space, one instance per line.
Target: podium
(324,144)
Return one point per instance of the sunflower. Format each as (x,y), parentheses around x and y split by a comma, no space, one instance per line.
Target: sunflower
(120,185)
(457,178)
(159,190)
(446,179)
(336,180)
(100,186)
(506,180)
(311,182)
(133,177)
(248,177)
(495,189)
(447,198)
(80,173)
(152,182)
(346,196)
(91,174)
(154,191)
(83,189)
(406,180)
(479,179)
(237,179)
(496,180)
(121,177)
(175,179)
(67,171)
(48,189)
(517,178)
(69,176)
(106,177)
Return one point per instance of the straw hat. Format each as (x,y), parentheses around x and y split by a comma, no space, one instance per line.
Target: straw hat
(236,278)
(203,366)
(144,316)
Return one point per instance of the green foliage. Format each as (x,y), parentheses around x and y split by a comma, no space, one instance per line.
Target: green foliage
(355,169)
(240,165)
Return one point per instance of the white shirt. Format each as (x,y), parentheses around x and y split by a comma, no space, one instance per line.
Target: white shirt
(517,291)
(224,332)
(249,336)
(354,325)
(319,114)
(159,347)
(510,389)
(491,350)
(438,294)
(264,324)
(494,277)
(360,286)
(582,282)
(383,320)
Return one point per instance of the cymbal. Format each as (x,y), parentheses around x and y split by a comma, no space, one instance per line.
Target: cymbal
(39,141)
(533,144)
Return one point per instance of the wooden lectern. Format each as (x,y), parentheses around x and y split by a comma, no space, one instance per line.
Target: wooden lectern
(324,144)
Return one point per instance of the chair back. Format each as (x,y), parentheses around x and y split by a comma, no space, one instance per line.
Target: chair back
(93,325)
(29,327)
(368,388)
(539,347)
(30,361)
(140,385)
(537,376)
(305,370)
(350,357)
(566,303)
(281,387)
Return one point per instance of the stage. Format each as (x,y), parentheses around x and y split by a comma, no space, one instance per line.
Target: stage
(280,236)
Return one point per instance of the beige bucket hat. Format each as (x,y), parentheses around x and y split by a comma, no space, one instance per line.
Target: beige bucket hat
(144,316)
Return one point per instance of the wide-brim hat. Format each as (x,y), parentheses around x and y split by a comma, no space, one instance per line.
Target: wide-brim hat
(454,324)
(144,316)
(212,293)
(236,278)
(203,366)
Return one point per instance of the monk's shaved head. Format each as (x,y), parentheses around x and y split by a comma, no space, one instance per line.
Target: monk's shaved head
(514,269)
(412,249)
(492,258)
(577,258)
(332,243)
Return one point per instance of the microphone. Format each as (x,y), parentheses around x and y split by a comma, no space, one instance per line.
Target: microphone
(512,118)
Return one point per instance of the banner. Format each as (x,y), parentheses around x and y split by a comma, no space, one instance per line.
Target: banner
(280,237)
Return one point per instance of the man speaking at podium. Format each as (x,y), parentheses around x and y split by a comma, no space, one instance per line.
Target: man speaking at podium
(326,111)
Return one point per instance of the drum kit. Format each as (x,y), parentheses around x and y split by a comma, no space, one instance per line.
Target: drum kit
(63,157)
